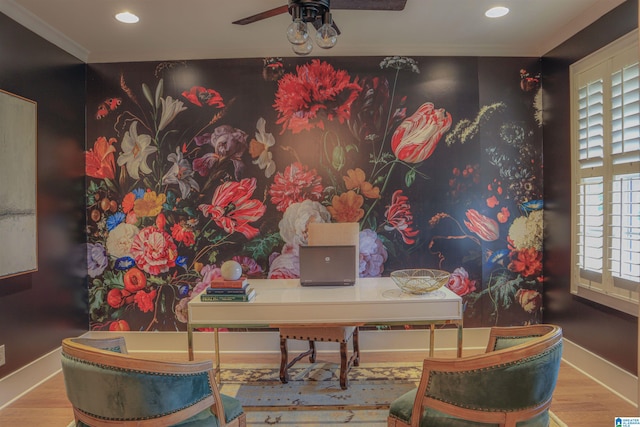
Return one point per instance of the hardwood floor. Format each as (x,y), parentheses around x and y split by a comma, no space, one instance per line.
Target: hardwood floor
(578,400)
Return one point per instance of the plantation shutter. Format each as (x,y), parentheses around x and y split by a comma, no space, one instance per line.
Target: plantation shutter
(607,215)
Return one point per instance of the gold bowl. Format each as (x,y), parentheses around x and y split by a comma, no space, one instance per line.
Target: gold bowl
(420,281)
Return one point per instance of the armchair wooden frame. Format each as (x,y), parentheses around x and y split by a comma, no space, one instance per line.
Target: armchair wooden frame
(507,347)
(107,357)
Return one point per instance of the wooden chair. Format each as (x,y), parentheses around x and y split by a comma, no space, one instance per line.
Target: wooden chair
(325,234)
(108,387)
(339,334)
(510,384)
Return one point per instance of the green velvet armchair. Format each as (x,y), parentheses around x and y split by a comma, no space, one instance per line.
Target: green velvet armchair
(511,384)
(108,387)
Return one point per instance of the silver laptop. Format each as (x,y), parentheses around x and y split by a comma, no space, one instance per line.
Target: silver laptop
(327,265)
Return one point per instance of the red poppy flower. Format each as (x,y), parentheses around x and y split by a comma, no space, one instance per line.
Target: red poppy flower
(232,208)
(316,92)
(199,95)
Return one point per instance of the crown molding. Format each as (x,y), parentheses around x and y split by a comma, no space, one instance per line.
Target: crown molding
(28,20)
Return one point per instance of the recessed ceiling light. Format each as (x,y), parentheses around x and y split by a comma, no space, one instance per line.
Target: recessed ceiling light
(127,17)
(496,12)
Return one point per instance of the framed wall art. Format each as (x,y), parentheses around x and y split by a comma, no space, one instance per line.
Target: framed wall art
(18,185)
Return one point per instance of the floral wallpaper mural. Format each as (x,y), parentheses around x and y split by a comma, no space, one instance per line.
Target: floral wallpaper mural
(192,163)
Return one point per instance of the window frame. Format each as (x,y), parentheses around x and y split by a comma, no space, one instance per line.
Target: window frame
(600,288)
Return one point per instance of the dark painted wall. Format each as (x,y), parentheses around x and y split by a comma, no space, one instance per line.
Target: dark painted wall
(38,310)
(608,333)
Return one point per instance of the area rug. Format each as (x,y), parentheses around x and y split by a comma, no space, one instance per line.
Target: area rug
(372,386)
(357,418)
(311,386)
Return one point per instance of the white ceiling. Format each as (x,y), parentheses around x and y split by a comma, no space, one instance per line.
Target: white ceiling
(199,29)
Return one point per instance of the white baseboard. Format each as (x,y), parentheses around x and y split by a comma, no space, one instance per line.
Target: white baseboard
(23,380)
(20,382)
(614,378)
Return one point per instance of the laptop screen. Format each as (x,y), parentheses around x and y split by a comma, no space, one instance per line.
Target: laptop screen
(327,265)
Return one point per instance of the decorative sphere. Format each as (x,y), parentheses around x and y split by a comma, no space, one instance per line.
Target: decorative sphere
(231,270)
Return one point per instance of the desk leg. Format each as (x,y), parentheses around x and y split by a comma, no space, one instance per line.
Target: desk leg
(190,341)
(217,344)
(460,339)
(432,338)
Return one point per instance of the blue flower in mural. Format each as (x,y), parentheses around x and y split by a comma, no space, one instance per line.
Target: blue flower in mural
(114,220)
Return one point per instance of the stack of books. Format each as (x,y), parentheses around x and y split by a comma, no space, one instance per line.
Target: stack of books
(228,290)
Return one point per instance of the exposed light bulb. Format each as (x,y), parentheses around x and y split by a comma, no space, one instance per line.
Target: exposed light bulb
(303,49)
(297,33)
(326,36)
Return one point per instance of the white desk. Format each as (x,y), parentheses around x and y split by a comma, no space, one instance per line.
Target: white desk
(371,301)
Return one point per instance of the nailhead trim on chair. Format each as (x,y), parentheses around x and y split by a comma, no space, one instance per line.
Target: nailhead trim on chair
(303,338)
(503,365)
(99,365)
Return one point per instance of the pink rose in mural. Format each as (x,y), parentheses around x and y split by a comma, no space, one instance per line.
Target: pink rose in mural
(486,228)
(286,265)
(154,251)
(232,208)
(460,283)
(399,217)
(316,92)
(100,160)
(295,184)
(529,300)
(417,137)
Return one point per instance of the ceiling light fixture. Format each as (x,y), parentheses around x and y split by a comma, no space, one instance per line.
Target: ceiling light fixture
(317,12)
(496,12)
(127,17)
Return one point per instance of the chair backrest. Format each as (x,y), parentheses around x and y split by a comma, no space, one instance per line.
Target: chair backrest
(107,387)
(513,381)
(115,344)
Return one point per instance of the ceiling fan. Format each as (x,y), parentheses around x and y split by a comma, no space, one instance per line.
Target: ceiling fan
(317,7)
(318,13)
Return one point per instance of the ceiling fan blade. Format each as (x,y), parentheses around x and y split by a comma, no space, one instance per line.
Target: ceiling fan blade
(368,4)
(262,15)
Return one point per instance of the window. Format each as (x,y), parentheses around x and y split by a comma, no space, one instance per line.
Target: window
(605,100)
